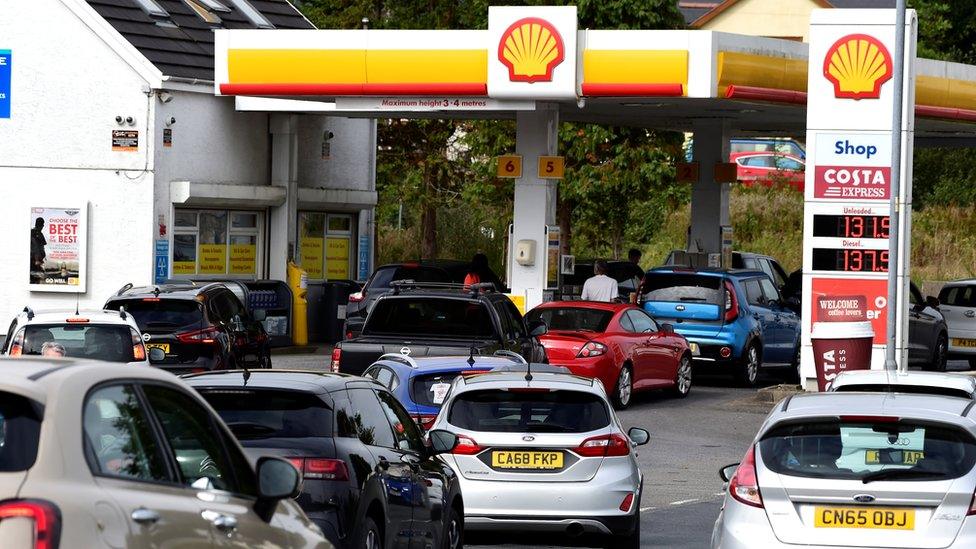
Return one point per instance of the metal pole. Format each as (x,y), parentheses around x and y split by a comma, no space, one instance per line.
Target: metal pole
(894,304)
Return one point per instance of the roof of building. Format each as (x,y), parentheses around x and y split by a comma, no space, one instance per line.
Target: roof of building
(699,12)
(182,43)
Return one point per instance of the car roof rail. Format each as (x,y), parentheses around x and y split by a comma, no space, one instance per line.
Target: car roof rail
(123,289)
(401,358)
(511,355)
(122,314)
(410,284)
(30,312)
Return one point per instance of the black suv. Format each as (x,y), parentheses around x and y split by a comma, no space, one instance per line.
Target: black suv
(199,328)
(439,320)
(369,478)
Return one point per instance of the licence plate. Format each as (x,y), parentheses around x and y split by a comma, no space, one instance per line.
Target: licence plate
(527,460)
(961,342)
(163,346)
(893,457)
(884,518)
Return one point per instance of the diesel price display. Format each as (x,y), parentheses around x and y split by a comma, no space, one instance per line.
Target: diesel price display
(851,226)
(850,260)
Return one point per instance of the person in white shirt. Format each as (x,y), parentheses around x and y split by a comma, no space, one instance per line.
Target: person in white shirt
(600,287)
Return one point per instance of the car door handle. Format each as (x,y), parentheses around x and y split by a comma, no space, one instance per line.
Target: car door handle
(224,523)
(382,464)
(145,516)
(755,315)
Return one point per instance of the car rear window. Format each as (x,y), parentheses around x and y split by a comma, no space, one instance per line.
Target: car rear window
(683,287)
(20,427)
(161,313)
(572,318)
(512,411)
(255,414)
(430,317)
(384,277)
(958,296)
(901,388)
(433,389)
(108,342)
(869,449)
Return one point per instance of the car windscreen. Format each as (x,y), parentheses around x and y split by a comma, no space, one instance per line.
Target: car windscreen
(869,449)
(20,428)
(430,317)
(958,296)
(158,313)
(533,411)
(577,319)
(385,276)
(686,287)
(108,342)
(255,414)
(902,388)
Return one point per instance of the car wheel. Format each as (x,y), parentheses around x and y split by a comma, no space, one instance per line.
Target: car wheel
(628,541)
(624,389)
(748,373)
(454,531)
(940,355)
(370,535)
(682,382)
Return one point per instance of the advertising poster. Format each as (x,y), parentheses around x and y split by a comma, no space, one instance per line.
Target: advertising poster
(243,258)
(184,254)
(58,249)
(213,259)
(337,258)
(5,68)
(851,300)
(311,256)
(363,257)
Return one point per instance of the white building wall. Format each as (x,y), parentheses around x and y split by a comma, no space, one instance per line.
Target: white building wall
(67,88)
(349,162)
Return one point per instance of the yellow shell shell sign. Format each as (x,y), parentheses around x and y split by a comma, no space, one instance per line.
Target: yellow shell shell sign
(531,48)
(857,65)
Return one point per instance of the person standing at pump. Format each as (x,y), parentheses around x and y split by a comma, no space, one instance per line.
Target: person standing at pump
(634,256)
(476,271)
(600,287)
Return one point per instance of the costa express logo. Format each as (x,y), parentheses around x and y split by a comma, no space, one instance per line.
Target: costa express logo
(531,48)
(857,65)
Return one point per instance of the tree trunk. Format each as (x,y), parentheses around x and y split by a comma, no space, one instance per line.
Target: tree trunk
(428,231)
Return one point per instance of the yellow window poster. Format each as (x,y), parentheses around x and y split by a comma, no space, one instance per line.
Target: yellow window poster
(184,267)
(243,258)
(337,258)
(310,251)
(213,258)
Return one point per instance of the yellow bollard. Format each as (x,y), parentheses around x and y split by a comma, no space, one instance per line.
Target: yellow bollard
(298,282)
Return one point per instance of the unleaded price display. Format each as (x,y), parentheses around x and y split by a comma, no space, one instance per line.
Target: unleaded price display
(850,260)
(851,226)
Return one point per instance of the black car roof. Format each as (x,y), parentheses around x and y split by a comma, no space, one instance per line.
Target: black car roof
(668,269)
(308,381)
(188,290)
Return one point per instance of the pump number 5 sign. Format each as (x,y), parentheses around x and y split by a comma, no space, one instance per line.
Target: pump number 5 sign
(551,167)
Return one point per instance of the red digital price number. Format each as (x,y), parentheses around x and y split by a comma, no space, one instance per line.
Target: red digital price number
(851,261)
(851,226)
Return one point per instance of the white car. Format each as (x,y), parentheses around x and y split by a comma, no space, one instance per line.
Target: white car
(957,301)
(887,381)
(543,453)
(110,336)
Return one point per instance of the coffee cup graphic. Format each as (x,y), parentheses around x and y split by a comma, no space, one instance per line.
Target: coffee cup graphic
(840,347)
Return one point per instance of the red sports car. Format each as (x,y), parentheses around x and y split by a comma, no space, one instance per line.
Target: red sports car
(619,344)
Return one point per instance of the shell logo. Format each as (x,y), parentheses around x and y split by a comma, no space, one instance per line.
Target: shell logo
(531,48)
(858,65)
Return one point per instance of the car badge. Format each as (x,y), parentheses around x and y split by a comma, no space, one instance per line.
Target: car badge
(405,351)
(970,314)
(146,337)
(679,307)
(528,438)
(864,498)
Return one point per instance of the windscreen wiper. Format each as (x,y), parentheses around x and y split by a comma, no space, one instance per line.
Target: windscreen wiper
(892,474)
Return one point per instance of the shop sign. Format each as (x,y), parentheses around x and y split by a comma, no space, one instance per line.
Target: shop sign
(213,259)
(311,256)
(337,258)
(58,249)
(6,59)
(532,52)
(243,259)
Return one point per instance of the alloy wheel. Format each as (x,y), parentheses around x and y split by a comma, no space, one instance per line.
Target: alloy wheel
(454,534)
(752,365)
(372,540)
(684,376)
(624,386)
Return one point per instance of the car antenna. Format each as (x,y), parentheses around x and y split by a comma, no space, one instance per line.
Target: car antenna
(471,358)
(77,304)
(247,375)
(528,370)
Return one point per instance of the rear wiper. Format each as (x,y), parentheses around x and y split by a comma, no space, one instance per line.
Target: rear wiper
(900,473)
(160,324)
(693,299)
(246,429)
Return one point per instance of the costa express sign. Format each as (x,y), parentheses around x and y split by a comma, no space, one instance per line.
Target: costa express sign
(857,65)
(531,48)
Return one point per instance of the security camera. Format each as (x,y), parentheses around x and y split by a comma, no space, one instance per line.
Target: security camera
(170,121)
(328,135)
(130,121)
(118,120)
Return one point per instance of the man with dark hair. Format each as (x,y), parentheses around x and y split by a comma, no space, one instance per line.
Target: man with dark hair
(600,287)
(634,256)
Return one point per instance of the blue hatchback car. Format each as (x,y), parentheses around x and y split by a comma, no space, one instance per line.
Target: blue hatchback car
(735,320)
(422,384)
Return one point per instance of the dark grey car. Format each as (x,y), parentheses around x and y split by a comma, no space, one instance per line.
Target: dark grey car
(928,339)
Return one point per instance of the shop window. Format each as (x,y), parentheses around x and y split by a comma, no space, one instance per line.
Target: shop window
(325,245)
(216,243)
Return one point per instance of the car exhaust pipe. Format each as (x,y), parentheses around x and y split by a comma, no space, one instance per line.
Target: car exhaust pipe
(575,530)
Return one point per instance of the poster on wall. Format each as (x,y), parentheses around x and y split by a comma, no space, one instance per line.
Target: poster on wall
(59,249)
(5,67)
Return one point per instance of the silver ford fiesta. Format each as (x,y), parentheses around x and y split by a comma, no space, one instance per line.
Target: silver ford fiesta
(543,452)
(855,470)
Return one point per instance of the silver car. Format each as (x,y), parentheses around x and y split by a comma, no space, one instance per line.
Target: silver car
(543,452)
(855,470)
(912,381)
(957,301)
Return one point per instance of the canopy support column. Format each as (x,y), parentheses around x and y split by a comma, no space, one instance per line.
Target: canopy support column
(282,225)
(709,200)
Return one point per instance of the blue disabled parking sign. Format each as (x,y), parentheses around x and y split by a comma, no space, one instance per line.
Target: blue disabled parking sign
(5,61)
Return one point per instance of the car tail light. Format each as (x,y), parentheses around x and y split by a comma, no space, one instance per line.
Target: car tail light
(870,419)
(466,446)
(138,349)
(205,335)
(592,348)
(474,372)
(17,347)
(356,297)
(348,335)
(425,420)
(972,506)
(744,484)
(731,303)
(321,468)
(336,356)
(46,517)
(627,502)
(76,320)
(614,445)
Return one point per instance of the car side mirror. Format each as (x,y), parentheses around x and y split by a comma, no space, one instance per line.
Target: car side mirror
(441,441)
(277,479)
(538,328)
(156,355)
(259,315)
(726,473)
(639,436)
(667,328)
(932,302)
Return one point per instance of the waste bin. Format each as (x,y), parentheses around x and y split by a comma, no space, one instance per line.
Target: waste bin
(328,309)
